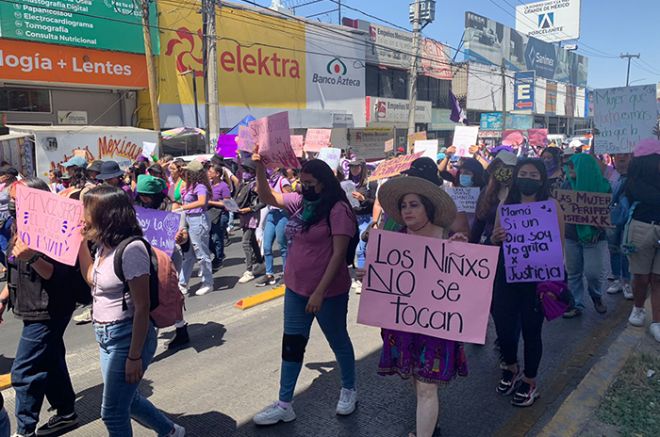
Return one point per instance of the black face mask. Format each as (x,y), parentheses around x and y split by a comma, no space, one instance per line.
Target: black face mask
(12,208)
(528,186)
(310,194)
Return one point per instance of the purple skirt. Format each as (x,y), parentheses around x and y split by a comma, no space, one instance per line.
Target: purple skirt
(427,359)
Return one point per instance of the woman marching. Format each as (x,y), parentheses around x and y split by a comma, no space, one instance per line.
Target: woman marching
(321,226)
(518,303)
(424,210)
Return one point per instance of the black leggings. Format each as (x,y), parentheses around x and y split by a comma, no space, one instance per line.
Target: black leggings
(513,304)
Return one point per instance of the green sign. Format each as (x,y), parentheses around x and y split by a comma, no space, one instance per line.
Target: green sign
(99,24)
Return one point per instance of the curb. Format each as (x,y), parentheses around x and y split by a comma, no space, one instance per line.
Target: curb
(258,299)
(5,381)
(580,405)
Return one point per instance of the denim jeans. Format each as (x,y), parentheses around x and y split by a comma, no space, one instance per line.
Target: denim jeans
(199,231)
(361,250)
(332,320)
(4,423)
(618,261)
(218,232)
(585,260)
(39,370)
(276,221)
(121,400)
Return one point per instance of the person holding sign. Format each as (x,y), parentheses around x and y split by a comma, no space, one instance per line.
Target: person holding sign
(423,209)
(517,303)
(586,246)
(317,280)
(365,194)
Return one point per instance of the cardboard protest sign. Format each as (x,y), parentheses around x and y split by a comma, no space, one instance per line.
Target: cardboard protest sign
(513,137)
(317,139)
(623,117)
(428,286)
(274,139)
(428,148)
(413,138)
(464,138)
(230,205)
(244,140)
(49,224)
(393,167)
(297,145)
(389,145)
(331,156)
(584,208)
(532,249)
(465,198)
(159,227)
(537,137)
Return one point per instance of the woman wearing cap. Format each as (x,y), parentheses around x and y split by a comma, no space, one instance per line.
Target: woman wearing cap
(642,241)
(195,197)
(317,280)
(551,157)
(516,305)
(425,210)
(365,195)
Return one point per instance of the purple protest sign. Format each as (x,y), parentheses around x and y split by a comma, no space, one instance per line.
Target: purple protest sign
(532,249)
(227,146)
(159,227)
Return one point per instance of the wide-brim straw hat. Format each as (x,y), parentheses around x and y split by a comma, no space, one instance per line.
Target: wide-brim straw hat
(392,191)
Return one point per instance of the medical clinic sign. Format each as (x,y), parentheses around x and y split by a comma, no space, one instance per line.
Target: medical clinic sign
(35,62)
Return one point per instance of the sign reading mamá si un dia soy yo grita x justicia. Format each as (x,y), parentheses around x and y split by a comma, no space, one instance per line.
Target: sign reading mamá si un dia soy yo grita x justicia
(428,286)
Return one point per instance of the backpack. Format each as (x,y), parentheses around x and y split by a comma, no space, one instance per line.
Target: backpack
(166,300)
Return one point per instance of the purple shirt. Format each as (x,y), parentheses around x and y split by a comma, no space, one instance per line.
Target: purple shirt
(220,191)
(190,196)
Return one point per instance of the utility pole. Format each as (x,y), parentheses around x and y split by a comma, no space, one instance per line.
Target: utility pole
(412,76)
(151,73)
(212,72)
(629,56)
(503,68)
(339,11)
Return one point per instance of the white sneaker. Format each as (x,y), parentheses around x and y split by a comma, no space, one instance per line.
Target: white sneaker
(247,277)
(637,316)
(183,289)
(274,414)
(615,288)
(358,288)
(627,292)
(654,329)
(347,402)
(204,290)
(178,431)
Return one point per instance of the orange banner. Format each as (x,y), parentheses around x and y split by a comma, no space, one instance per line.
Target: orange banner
(35,62)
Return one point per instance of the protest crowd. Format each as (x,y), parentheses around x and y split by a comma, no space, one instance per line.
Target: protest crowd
(558,227)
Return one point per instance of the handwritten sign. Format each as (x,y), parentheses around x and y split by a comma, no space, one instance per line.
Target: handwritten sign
(244,140)
(297,145)
(49,224)
(428,286)
(393,167)
(331,156)
(389,145)
(349,188)
(428,148)
(513,137)
(465,198)
(623,117)
(413,138)
(317,139)
(274,139)
(464,138)
(532,249)
(537,137)
(231,205)
(159,227)
(584,208)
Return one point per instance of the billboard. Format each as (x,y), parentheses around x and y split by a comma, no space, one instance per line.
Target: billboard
(523,94)
(489,42)
(550,20)
(109,25)
(391,111)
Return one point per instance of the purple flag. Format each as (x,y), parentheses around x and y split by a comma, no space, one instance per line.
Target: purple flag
(456,110)
(159,227)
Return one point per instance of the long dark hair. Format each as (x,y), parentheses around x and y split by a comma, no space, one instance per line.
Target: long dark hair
(489,197)
(192,178)
(78,178)
(643,170)
(330,195)
(543,194)
(112,216)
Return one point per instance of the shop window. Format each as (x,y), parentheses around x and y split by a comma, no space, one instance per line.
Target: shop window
(372,82)
(24,100)
(423,88)
(400,84)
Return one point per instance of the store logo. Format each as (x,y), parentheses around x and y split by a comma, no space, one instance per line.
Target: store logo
(189,56)
(336,66)
(547,21)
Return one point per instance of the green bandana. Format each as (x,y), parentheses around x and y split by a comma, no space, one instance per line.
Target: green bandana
(309,208)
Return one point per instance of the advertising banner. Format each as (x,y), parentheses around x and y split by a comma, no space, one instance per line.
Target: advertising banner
(22,61)
(369,143)
(383,110)
(549,20)
(435,62)
(489,42)
(110,25)
(624,116)
(491,121)
(523,94)
(428,286)
(551,97)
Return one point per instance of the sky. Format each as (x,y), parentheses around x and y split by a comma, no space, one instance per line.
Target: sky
(608,28)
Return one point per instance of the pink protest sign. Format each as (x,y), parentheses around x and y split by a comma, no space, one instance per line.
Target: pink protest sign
(513,138)
(49,224)
(272,136)
(244,140)
(317,139)
(532,249)
(428,286)
(297,145)
(538,137)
